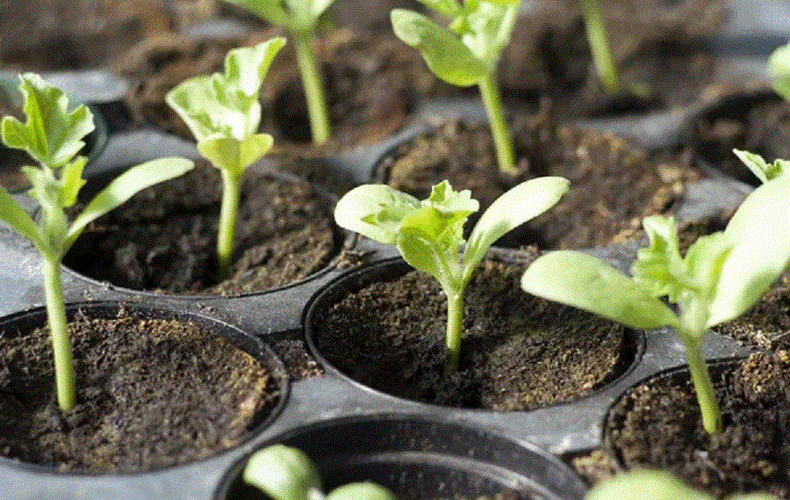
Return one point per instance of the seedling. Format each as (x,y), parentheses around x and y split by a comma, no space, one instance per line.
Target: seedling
(300,19)
(429,233)
(760,168)
(223,113)
(466,53)
(285,473)
(655,485)
(52,135)
(721,276)
(598,39)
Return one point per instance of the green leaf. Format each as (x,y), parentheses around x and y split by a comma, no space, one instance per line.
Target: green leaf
(52,134)
(246,67)
(71,181)
(779,65)
(643,485)
(124,187)
(272,11)
(515,207)
(375,211)
(449,8)
(763,170)
(423,254)
(488,30)
(446,56)
(361,491)
(448,201)
(318,7)
(585,282)
(283,473)
(235,155)
(759,232)
(18,219)
(659,267)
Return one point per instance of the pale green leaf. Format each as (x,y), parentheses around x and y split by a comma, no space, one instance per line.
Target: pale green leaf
(446,200)
(124,187)
(319,7)
(449,8)
(779,65)
(760,234)
(644,485)
(488,30)
(18,219)
(585,282)
(446,56)
(71,181)
(515,207)
(375,211)
(659,267)
(423,254)
(235,155)
(246,67)
(52,134)
(443,229)
(760,168)
(361,491)
(272,11)
(282,472)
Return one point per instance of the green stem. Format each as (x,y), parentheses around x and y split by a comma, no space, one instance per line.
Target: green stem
(599,45)
(455,318)
(489,91)
(706,396)
(313,88)
(231,196)
(61,344)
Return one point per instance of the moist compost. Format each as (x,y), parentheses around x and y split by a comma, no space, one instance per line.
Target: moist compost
(164,238)
(518,352)
(369,77)
(613,185)
(658,424)
(126,419)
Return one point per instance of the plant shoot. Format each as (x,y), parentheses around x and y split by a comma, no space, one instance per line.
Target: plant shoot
(300,19)
(598,39)
(720,277)
(466,53)
(53,136)
(429,233)
(285,473)
(223,113)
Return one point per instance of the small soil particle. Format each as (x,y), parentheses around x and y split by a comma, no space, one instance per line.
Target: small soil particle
(164,238)
(658,424)
(517,354)
(126,418)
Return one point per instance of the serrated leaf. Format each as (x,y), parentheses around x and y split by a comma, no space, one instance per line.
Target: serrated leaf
(52,134)
(449,201)
(18,219)
(659,267)
(235,155)
(446,56)
(585,282)
(760,168)
(124,187)
(515,207)
(361,491)
(444,229)
(283,473)
(760,234)
(375,211)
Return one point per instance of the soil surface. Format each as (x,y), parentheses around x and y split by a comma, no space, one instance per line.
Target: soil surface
(758,122)
(613,185)
(515,354)
(164,238)
(659,425)
(370,78)
(767,324)
(126,418)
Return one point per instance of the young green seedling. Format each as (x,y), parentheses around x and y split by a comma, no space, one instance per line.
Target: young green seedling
(655,485)
(429,233)
(52,135)
(285,473)
(466,53)
(300,18)
(223,113)
(721,276)
(598,39)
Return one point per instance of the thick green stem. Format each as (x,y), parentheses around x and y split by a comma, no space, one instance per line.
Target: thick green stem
(489,91)
(455,319)
(231,195)
(313,87)
(61,344)
(706,395)
(599,45)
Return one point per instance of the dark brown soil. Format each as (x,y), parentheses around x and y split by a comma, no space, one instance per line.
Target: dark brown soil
(164,238)
(515,354)
(613,185)
(658,425)
(767,324)
(126,417)
(370,77)
(758,122)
